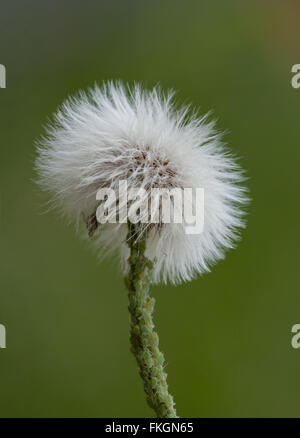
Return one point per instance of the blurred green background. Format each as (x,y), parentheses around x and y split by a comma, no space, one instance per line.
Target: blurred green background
(227,335)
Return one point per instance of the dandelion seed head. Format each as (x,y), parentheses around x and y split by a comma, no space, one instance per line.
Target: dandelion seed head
(113,133)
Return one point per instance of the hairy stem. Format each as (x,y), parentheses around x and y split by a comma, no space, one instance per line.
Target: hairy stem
(143,337)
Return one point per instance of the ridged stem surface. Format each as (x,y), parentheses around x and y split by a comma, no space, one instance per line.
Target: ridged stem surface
(143,337)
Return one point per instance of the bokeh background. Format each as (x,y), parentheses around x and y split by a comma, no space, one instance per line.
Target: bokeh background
(227,335)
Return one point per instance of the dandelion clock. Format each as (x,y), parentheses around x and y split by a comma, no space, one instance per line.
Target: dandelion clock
(152,184)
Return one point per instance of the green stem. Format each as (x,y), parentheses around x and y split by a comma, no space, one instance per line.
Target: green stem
(143,338)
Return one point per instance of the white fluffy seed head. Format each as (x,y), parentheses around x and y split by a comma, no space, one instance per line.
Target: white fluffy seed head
(119,133)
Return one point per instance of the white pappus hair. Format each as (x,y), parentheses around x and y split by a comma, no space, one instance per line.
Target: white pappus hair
(118,133)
